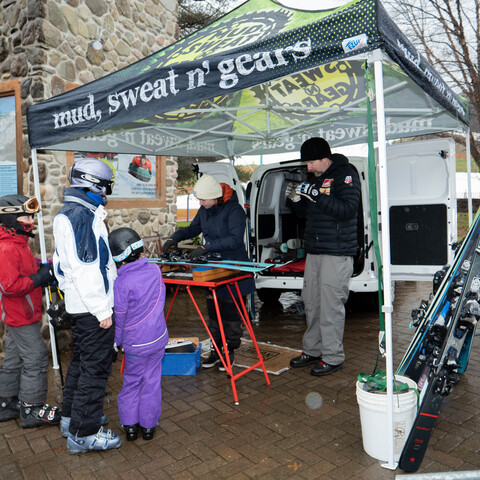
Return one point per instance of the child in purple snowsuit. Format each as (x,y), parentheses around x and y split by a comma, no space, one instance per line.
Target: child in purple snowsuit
(140,328)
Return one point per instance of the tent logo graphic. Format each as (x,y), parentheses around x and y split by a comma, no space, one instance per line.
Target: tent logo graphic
(244,30)
(313,91)
(355,43)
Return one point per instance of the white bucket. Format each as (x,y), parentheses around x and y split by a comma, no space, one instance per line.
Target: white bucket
(373,418)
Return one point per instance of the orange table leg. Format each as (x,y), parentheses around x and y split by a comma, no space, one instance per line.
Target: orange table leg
(217,349)
(226,358)
(171,303)
(248,325)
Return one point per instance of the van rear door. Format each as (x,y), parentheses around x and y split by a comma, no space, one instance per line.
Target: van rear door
(422,207)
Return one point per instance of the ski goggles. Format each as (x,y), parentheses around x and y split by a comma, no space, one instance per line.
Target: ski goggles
(31,206)
(125,254)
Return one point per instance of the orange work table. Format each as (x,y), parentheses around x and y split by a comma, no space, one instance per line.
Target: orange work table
(231,283)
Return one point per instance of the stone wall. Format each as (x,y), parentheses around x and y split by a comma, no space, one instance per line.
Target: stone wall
(53,45)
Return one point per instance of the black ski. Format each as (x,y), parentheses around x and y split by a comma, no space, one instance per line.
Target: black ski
(444,343)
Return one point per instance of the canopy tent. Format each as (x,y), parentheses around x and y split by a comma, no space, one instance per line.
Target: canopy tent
(261,80)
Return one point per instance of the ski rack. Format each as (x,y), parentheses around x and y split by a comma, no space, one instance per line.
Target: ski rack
(440,348)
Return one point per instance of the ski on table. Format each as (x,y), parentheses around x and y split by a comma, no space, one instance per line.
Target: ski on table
(232,265)
(220,263)
(444,344)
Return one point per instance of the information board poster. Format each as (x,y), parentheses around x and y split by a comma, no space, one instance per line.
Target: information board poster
(8,147)
(135,175)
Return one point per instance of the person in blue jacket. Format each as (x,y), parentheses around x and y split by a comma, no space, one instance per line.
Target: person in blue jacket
(85,271)
(222,222)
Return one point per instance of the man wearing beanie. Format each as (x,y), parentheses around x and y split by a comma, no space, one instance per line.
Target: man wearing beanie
(330,200)
(222,221)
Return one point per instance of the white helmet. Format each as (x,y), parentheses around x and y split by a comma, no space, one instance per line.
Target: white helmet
(93,175)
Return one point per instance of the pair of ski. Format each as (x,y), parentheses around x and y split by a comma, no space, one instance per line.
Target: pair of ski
(243,266)
(441,345)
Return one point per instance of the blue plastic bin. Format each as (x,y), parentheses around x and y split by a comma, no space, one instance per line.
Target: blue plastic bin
(182,363)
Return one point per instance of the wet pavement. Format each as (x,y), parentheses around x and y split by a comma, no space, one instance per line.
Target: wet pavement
(273,433)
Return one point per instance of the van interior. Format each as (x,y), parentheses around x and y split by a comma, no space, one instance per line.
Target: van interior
(279,230)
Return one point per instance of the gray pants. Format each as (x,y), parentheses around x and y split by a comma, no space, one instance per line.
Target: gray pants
(325,292)
(24,370)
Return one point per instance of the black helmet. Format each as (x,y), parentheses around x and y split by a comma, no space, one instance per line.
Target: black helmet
(14,206)
(125,245)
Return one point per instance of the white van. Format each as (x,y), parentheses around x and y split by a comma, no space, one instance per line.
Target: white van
(423,216)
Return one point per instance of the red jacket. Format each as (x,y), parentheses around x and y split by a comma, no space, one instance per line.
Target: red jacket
(20,303)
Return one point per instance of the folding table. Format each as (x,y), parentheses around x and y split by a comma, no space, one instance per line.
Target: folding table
(230,283)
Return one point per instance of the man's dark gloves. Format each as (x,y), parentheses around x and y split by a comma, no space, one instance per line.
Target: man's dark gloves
(308,191)
(168,244)
(198,252)
(44,276)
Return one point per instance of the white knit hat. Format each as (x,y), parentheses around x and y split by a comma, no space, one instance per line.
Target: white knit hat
(207,188)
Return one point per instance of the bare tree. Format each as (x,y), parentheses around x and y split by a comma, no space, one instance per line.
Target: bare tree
(448,32)
(195,14)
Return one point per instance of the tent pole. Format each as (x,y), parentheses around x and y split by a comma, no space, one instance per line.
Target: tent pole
(469,177)
(43,250)
(385,222)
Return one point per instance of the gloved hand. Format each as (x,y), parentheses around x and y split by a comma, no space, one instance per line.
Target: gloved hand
(44,276)
(291,193)
(168,244)
(198,252)
(308,191)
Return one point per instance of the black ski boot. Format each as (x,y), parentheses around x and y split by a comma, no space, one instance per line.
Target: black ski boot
(38,414)
(9,408)
(131,431)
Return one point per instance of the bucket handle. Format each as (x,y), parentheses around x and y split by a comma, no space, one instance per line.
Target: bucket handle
(378,382)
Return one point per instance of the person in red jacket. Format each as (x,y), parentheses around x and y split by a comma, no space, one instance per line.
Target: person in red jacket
(23,373)
(142,161)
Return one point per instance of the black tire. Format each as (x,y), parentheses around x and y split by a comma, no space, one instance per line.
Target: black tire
(269,295)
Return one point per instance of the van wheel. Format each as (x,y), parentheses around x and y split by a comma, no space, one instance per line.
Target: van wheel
(269,295)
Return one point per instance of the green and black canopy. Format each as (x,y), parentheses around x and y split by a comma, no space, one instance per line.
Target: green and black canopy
(259,80)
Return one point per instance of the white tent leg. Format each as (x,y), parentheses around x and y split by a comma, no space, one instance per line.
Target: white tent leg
(43,250)
(385,222)
(469,177)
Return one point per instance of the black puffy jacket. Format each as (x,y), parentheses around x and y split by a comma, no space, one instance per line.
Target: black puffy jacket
(331,226)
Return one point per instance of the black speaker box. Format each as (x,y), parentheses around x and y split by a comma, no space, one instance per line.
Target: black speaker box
(418,234)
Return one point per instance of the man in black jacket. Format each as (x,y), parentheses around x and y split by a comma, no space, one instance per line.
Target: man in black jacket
(330,201)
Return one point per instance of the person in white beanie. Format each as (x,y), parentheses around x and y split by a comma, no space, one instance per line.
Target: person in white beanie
(222,221)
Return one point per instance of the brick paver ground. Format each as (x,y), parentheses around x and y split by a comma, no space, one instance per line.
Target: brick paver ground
(271,434)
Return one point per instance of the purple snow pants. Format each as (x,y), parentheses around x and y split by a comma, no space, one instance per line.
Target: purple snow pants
(141,396)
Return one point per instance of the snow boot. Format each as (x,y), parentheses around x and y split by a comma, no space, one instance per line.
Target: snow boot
(147,433)
(231,356)
(131,431)
(212,360)
(9,408)
(38,414)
